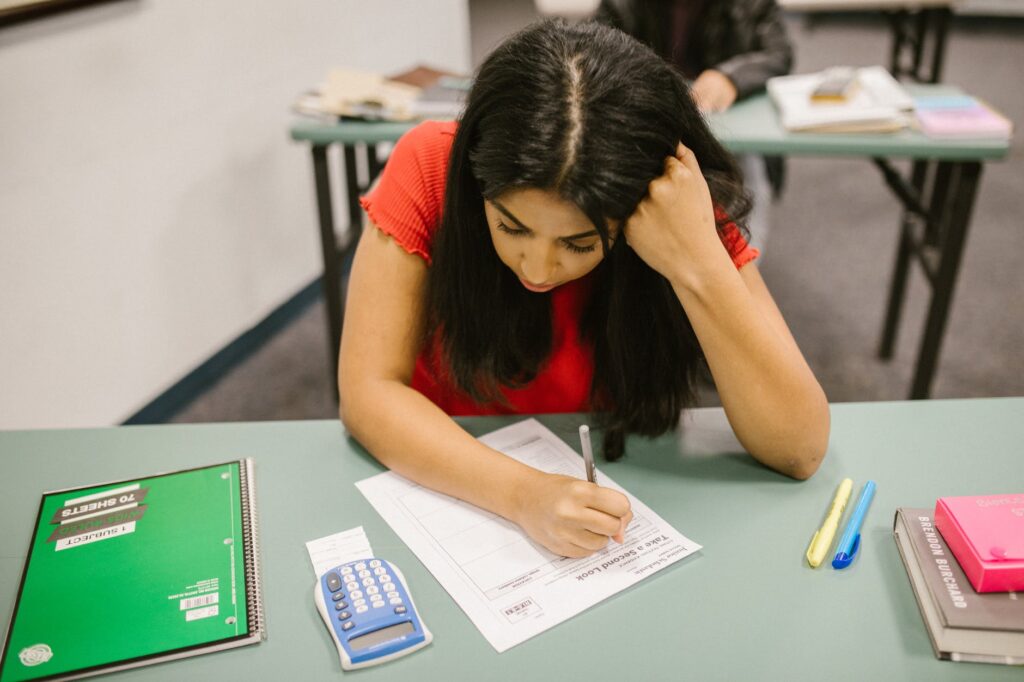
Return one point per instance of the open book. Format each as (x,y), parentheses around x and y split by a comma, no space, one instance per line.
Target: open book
(878,103)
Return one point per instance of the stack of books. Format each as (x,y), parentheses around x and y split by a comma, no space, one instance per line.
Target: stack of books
(870,101)
(963,623)
(961,118)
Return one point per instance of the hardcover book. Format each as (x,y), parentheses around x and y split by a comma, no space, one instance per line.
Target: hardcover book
(962,624)
(130,573)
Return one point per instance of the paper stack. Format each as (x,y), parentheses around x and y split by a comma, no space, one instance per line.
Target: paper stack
(878,103)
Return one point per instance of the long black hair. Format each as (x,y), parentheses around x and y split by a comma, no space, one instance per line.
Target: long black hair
(591,114)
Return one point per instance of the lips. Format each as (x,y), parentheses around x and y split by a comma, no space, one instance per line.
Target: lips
(535,288)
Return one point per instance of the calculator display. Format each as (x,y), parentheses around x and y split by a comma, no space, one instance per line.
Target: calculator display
(383,635)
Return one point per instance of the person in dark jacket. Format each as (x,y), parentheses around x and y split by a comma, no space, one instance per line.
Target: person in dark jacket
(728,48)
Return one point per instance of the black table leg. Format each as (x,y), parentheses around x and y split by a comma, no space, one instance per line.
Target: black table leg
(964,177)
(352,190)
(331,281)
(898,284)
(897,289)
(912,31)
(940,17)
(373,163)
(334,256)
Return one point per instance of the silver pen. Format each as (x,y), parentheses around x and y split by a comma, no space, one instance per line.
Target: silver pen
(588,454)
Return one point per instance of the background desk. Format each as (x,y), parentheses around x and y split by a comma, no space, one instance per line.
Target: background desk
(915,25)
(938,199)
(746,608)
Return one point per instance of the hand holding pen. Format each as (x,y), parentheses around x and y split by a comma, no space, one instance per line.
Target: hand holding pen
(567,515)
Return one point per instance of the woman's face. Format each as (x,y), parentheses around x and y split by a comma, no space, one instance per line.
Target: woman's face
(544,239)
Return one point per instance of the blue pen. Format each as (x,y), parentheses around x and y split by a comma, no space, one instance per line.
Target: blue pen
(850,542)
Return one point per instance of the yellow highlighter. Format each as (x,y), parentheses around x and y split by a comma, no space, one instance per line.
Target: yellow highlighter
(822,539)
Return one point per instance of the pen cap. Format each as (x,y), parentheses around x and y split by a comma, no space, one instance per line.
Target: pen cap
(842,560)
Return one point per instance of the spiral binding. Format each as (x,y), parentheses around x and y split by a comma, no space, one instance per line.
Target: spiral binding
(251,549)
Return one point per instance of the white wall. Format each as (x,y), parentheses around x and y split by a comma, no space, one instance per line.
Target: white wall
(152,206)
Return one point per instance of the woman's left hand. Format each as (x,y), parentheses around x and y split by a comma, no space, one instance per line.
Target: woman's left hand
(673,228)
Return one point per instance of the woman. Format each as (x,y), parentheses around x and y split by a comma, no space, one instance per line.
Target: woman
(567,246)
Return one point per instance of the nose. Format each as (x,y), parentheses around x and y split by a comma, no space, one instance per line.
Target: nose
(539,262)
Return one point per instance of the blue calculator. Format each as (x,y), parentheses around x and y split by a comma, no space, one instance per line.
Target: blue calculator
(369,613)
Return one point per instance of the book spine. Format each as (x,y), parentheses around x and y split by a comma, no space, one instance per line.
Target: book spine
(251,549)
(943,578)
(903,533)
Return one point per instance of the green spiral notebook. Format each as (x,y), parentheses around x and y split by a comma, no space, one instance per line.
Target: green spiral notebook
(136,572)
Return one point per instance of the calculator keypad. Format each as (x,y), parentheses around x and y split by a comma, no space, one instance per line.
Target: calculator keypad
(371,590)
(368,596)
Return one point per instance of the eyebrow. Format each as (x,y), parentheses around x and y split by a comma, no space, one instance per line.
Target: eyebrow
(519,223)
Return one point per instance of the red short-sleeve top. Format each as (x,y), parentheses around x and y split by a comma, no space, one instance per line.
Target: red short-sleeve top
(407,204)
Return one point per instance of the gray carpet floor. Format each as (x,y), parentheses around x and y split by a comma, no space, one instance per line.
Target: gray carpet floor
(828,257)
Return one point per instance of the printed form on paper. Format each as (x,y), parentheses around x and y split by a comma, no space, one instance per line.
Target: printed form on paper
(511,587)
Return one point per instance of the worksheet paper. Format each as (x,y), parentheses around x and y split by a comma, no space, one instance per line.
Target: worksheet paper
(508,585)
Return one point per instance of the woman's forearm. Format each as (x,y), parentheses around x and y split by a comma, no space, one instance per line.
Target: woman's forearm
(413,437)
(774,403)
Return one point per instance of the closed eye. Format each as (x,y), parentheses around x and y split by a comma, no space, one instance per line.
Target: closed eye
(514,231)
(569,244)
(576,248)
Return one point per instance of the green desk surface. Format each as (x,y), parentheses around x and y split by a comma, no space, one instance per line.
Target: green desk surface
(750,127)
(746,607)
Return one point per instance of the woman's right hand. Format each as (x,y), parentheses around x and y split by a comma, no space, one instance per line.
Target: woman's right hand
(571,517)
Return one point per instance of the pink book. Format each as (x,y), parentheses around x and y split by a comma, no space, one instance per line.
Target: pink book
(986,535)
(967,121)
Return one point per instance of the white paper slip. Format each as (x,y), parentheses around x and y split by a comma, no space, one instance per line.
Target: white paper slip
(333,550)
(508,585)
